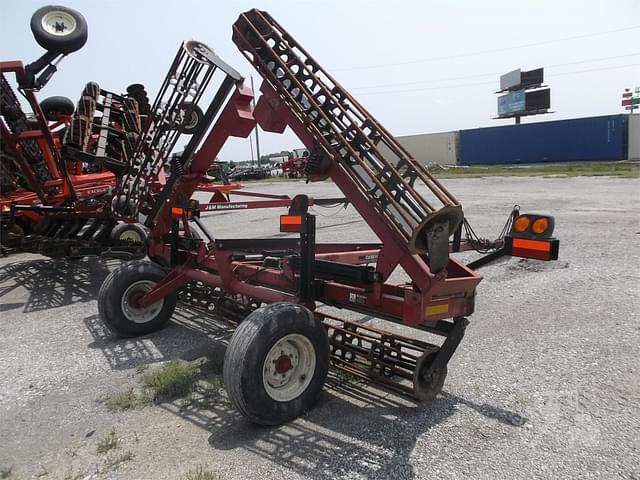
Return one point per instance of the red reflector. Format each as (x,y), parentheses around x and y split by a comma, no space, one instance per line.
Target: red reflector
(290,223)
(531,244)
(537,249)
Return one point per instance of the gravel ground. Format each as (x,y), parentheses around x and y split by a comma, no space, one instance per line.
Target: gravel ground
(544,385)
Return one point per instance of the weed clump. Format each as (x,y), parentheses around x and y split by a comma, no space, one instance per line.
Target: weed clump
(173,380)
(200,473)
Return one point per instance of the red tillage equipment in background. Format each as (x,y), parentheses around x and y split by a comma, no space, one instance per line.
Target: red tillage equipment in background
(76,181)
(278,288)
(295,166)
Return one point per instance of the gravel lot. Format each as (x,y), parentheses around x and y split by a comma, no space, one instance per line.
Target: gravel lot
(545,384)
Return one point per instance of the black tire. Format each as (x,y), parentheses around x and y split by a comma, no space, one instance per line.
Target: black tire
(135,88)
(132,232)
(247,356)
(426,384)
(55,107)
(59,19)
(122,282)
(193,118)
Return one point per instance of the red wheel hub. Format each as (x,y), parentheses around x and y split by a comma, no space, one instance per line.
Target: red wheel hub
(283,364)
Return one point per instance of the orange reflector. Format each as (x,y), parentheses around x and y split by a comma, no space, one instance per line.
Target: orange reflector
(521,224)
(540,226)
(536,249)
(177,212)
(290,223)
(290,219)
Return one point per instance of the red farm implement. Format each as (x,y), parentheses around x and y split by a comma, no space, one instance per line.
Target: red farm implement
(76,179)
(294,166)
(278,358)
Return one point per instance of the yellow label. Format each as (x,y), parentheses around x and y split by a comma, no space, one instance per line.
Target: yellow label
(437,309)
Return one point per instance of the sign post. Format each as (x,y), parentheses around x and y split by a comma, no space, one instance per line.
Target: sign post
(631,100)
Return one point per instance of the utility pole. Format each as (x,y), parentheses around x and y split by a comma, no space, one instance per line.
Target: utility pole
(257,127)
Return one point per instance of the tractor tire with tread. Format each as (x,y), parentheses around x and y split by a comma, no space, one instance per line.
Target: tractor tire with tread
(248,358)
(116,300)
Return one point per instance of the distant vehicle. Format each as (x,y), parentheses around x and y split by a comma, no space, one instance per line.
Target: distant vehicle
(249,173)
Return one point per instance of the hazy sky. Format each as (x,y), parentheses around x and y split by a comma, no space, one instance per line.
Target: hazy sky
(418,66)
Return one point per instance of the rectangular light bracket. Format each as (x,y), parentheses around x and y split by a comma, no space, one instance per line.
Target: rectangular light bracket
(539,249)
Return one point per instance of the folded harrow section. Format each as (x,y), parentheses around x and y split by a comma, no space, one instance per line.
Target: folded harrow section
(170,115)
(37,172)
(345,134)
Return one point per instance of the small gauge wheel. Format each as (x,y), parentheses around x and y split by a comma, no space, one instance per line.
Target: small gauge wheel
(59,29)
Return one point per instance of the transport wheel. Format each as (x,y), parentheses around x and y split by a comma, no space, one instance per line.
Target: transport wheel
(276,363)
(129,232)
(193,118)
(54,107)
(59,29)
(120,292)
(426,386)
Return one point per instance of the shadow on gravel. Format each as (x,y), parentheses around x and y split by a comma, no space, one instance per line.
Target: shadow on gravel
(340,438)
(190,335)
(355,430)
(52,283)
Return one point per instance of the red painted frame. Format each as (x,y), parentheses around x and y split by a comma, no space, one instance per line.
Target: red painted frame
(428,298)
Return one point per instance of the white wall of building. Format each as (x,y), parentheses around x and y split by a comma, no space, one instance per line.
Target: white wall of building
(426,148)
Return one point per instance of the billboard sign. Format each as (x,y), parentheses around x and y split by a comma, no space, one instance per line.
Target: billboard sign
(518,80)
(538,100)
(512,102)
(509,80)
(532,78)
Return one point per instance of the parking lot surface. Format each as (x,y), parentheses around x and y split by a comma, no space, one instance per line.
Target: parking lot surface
(545,383)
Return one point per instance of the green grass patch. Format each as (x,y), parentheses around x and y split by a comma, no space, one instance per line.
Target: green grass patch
(173,380)
(624,170)
(108,442)
(128,400)
(200,473)
(193,383)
